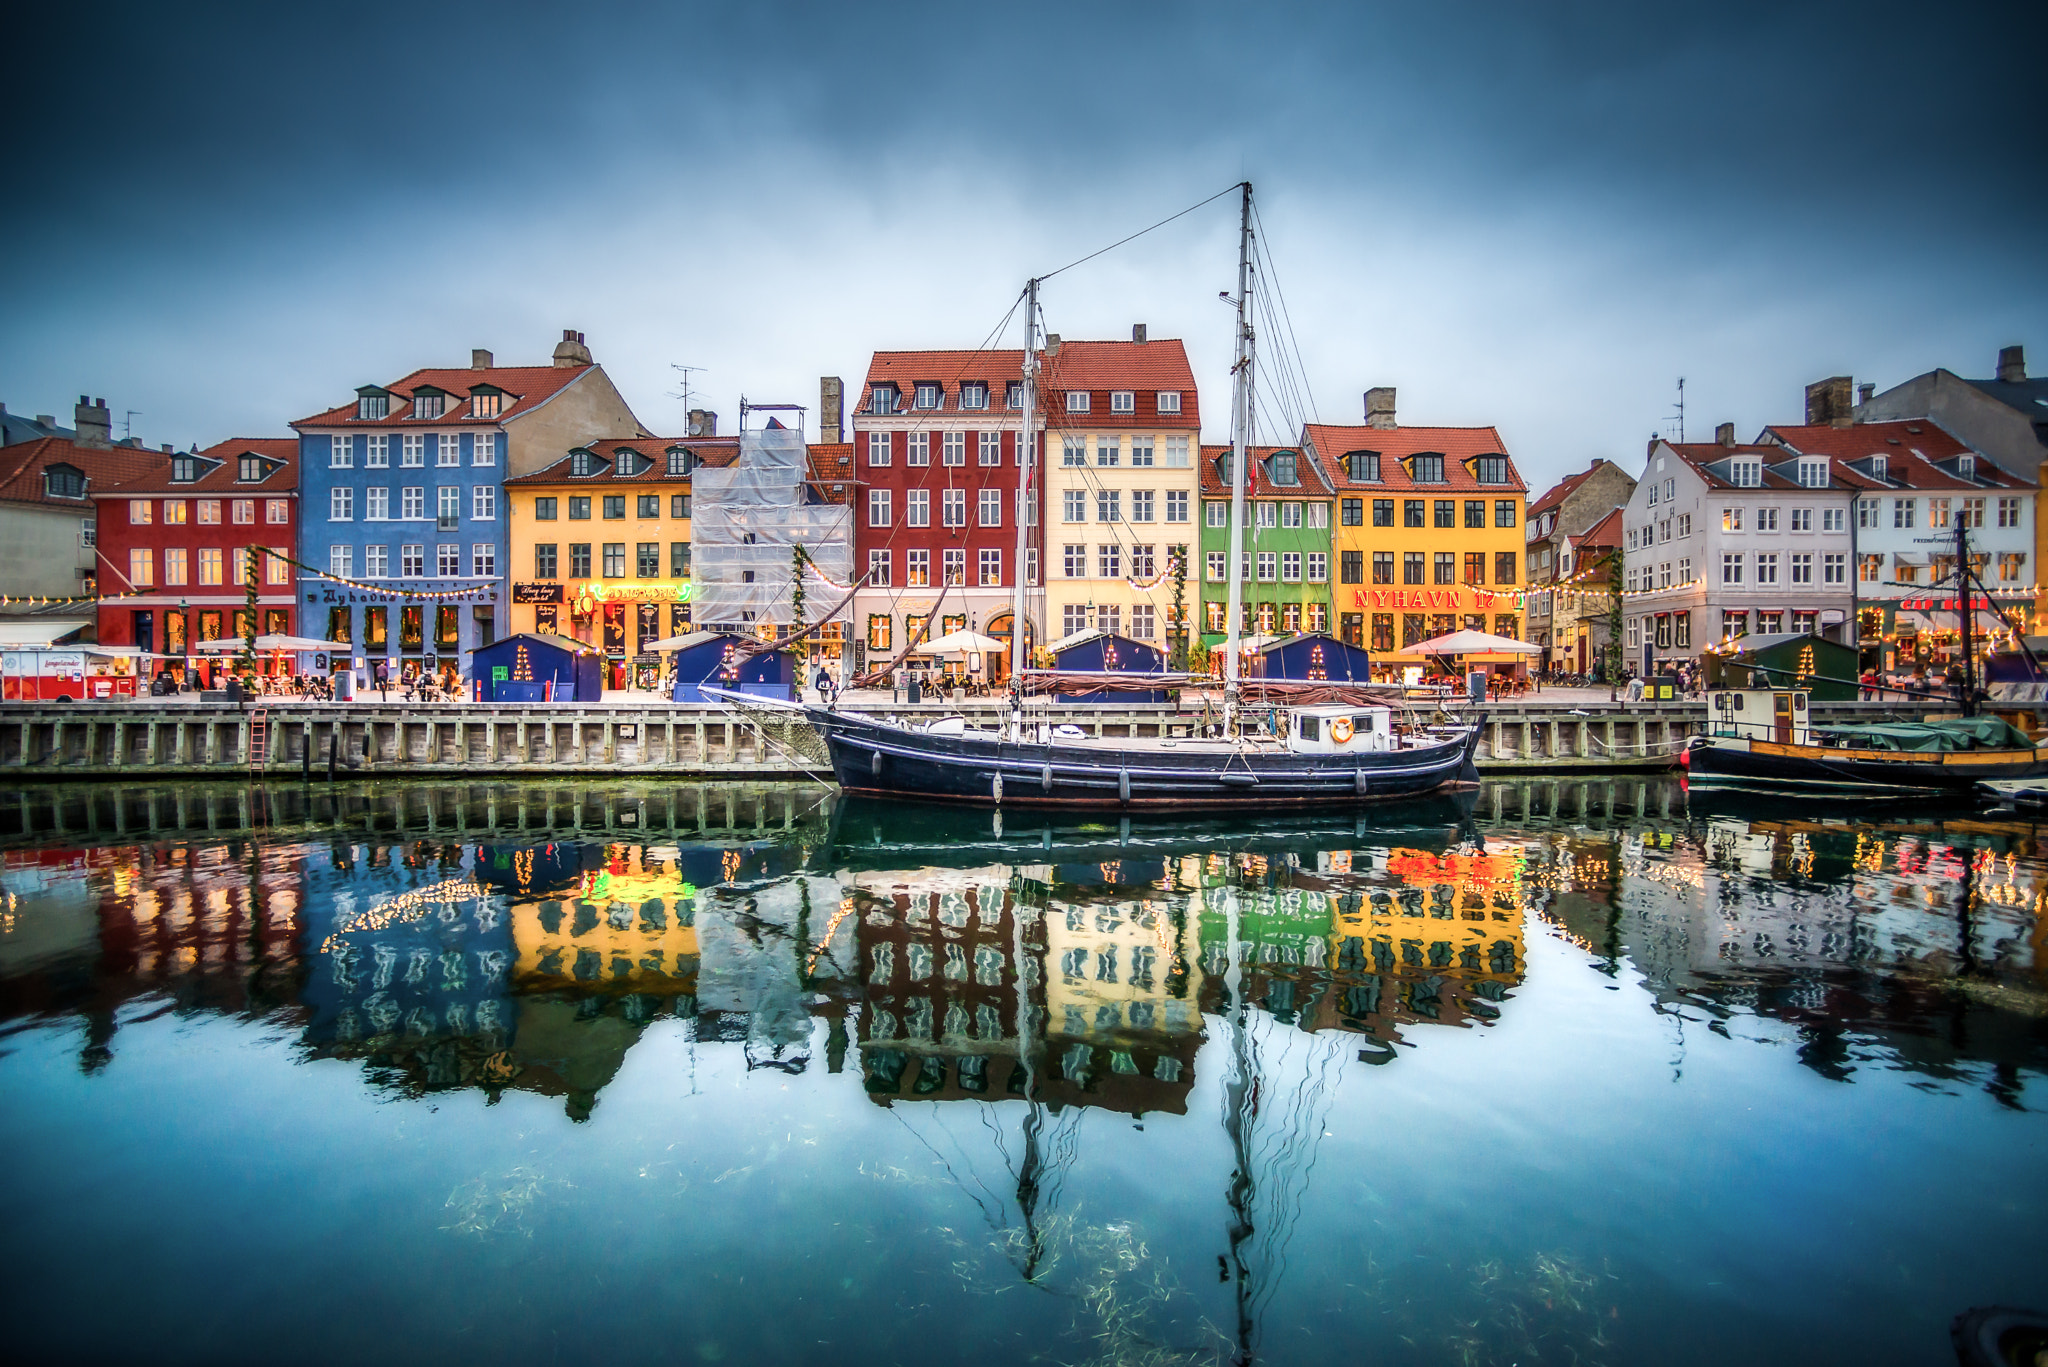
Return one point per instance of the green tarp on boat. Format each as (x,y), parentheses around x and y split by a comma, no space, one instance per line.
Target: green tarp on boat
(1960,733)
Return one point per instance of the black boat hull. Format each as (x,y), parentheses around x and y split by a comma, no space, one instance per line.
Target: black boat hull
(1820,770)
(887,761)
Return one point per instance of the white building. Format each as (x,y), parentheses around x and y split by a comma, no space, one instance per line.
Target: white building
(1722,540)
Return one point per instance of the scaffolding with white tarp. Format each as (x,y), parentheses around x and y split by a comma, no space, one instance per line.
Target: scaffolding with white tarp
(746,520)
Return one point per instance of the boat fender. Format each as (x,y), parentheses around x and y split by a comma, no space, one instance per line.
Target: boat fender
(875,761)
(1045,778)
(1340,730)
(997,787)
(1358,782)
(1123,785)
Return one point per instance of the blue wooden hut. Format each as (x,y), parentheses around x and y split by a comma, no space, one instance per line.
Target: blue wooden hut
(701,658)
(535,666)
(1317,657)
(1106,652)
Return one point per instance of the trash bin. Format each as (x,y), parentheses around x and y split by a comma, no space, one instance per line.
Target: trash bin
(1475,685)
(345,686)
(915,693)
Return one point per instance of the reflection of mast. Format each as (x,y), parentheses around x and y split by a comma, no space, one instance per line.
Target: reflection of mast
(1240,1102)
(1028,1190)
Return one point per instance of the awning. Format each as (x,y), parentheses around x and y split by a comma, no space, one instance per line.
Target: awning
(1909,557)
(41,631)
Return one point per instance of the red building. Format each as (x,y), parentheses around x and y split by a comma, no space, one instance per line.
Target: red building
(174,548)
(935,465)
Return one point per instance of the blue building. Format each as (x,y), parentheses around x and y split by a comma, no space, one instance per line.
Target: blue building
(714,658)
(404,529)
(1103,652)
(1317,658)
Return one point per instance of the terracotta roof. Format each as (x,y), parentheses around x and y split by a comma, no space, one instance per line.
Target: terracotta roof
(1914,455)
(221,477)
(832,463)
(716,452)
(946,369)
(1562,490)
(22,466)
(1604,535)
(1700,454)
(1313,483)
(526,388)
(1394,444)
(1144,368)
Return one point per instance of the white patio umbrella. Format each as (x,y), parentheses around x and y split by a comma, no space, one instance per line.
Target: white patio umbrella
(271,642)
(1469,642)
(959,643)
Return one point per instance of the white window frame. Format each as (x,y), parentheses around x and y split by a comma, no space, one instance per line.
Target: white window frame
(989,449)
(449,452)
(1290,567)
(954,448)
(917,508)
(341,452)
(376,562)
(1143,504)
(1109,505)
(1109,451)
(1318,567)
(412,560)
(878,507)
(1176,505)
(483,559)
(483,503)
(880,449)
(377,451)
(953,508)
(1077,401)
(1168,400)
(1269,567)
(990,567)
(377,503)
(341,561)
(878,569)
(412,503)
(412,454)
(484,450)
(1218,513)
(1123,401)
(989,507)
(341,504)
(1074,505)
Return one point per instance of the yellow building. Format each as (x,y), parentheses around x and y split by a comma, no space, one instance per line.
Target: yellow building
(1429,530)
(1123,433)
(600,544)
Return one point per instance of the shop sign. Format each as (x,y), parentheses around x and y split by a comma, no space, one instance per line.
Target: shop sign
(1433,600)
(536,593)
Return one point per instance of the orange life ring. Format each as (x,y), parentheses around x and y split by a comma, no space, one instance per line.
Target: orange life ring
(1340,730)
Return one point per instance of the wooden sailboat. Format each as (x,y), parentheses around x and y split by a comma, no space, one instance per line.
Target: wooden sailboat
(1346,746)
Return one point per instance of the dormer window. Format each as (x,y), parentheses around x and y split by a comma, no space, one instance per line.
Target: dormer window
(974,396)
(1877,467)
(1746,474)
(1427,468)
(64,481)
(1813,474)
(184,469)
(882,398)
(250,470)
(428,403)
(1122,401)
(1363,466)
(1169,401)
(681,460)
(1077,401)
(1223,468)
(486,403)
(373,403)
(1013,395)
(1966,466)
(1280,468)
(628,462)
(582,461)
(1490,470)
(928,396)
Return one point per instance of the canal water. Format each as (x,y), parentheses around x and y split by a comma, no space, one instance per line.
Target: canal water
(535,1073)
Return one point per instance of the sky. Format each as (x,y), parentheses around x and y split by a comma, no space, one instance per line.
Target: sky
(1537,216)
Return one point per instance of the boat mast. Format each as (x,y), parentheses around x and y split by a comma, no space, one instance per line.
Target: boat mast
(1240,434)
(1027,460)
(1969,683)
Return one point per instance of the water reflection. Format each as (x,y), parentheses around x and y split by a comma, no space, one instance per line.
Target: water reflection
(953,956)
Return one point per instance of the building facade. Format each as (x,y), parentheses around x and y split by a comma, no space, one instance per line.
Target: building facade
(1914,484)
(1123,435)
(1286,567)
(404,531)
(175,543)
(937,466)
(600,546)
(1561,515)
(48,522)
(1721,539)
(1429,530)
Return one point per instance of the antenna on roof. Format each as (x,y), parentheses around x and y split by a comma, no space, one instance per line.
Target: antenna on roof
(1679,408)
(128,423)
(687,370)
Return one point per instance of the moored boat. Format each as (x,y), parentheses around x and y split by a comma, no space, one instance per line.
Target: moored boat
(1765,740)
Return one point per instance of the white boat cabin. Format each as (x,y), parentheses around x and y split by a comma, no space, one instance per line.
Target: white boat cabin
(1337,729)
(1771,714)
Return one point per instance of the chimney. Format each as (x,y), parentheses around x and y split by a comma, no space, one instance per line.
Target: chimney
(1864,393)
(1379,408)
(95,425)
(167,448)
(702,423)
(1137,332)
(2012,364)
(570,351)
(1827,403)
(479,359)
(46,420)
(1725,434)
(831,409)
(1052,344)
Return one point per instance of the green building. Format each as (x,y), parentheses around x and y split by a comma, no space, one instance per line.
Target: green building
(1287,547)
